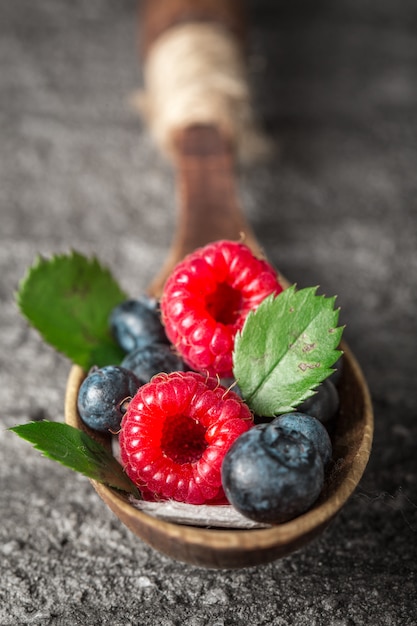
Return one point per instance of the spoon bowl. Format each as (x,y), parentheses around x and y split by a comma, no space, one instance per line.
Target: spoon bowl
(214,548)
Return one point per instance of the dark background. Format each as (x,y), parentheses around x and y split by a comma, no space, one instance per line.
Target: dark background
(336,87)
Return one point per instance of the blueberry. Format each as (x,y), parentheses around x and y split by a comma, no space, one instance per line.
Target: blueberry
(136,323)
(101,396)
(323,404)
(310,427)
(271,475)
(153,359)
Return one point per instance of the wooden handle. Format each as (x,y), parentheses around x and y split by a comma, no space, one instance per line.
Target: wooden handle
(204,158)
(208,208)
(156,16)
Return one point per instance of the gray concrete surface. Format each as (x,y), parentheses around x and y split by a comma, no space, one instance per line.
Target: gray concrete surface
(336,84)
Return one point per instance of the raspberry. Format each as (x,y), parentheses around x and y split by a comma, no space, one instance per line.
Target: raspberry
(207,298)
(175,434)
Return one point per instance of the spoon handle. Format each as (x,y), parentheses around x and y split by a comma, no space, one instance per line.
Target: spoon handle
(207,203)
(203,155)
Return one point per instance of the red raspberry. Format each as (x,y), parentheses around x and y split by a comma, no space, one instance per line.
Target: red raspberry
(175,434)
(207,298)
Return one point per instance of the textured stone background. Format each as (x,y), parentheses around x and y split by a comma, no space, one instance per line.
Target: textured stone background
(336,84)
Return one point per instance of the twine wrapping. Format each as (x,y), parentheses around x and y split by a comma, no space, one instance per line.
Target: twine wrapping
(195,74)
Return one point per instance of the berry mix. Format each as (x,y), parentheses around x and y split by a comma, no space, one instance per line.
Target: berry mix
(184,430)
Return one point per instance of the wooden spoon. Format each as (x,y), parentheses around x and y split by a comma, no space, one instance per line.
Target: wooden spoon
(209,210)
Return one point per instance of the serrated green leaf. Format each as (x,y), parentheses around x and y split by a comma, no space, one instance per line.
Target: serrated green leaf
(68,299)
(286,349)
(78,451)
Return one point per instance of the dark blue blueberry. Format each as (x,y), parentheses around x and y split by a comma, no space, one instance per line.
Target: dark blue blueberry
(136,323)
(308,426)
(324,404)
(102,394)
(153,359)
(271,475)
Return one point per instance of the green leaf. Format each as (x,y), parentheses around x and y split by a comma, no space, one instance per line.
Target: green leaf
(78,451)
(68,299)
(286,349)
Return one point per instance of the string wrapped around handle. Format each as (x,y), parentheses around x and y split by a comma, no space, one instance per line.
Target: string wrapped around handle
(195,74)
